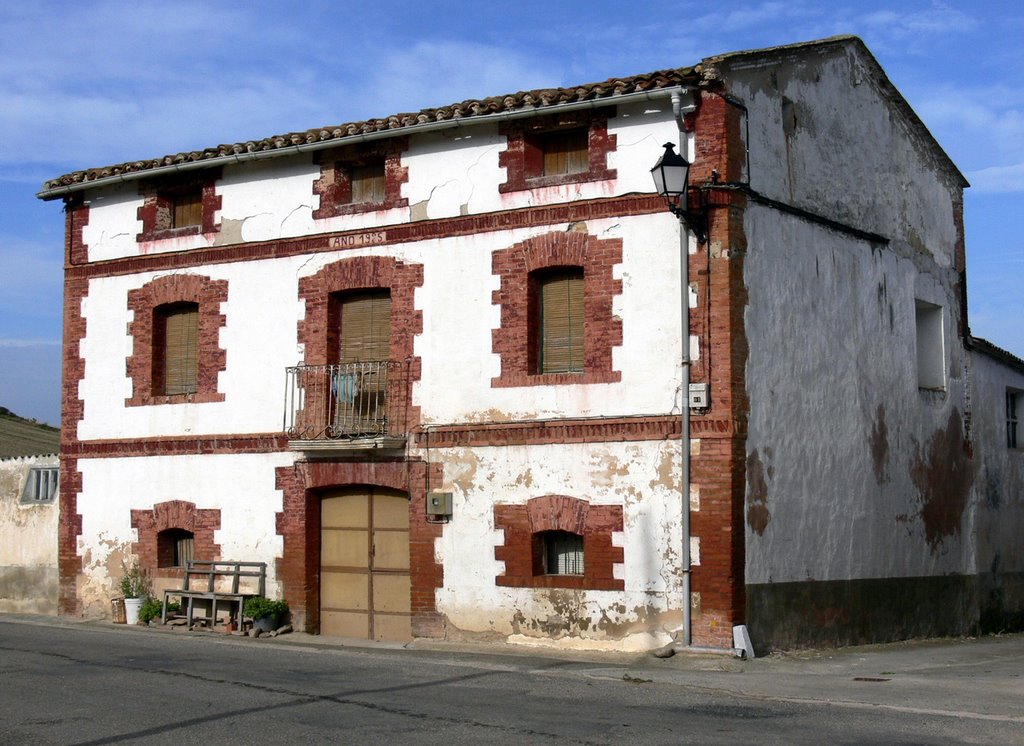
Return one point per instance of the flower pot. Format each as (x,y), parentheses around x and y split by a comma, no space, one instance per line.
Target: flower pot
(131,610)
(267,623)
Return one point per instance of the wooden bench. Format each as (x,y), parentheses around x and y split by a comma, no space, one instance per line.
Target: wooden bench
(203,589)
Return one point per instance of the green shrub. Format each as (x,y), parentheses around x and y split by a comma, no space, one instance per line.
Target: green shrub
(135,582)
(151,609)
(258,607)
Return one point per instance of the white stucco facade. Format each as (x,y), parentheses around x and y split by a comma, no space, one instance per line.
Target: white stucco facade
(826,472)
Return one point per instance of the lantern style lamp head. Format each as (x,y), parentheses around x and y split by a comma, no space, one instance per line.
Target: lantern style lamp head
(671,180)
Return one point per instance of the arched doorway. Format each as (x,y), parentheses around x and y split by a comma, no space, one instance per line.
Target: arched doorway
(364,564)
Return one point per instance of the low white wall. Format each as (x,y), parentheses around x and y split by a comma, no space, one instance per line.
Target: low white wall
(28,542)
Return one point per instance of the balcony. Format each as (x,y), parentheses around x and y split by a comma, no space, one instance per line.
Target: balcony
(346,406)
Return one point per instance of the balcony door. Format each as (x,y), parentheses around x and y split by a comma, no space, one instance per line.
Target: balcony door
(360,383)
(364,564)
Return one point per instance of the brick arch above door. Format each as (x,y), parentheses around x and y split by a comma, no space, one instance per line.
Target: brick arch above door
(299,525)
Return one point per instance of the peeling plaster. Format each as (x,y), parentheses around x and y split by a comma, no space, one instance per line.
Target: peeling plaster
(758,516)
(942,474)
(879,443)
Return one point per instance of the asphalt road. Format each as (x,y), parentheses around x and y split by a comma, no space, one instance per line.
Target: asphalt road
(93,684)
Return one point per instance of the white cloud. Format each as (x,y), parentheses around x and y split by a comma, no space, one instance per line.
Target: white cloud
(998,179)
(29,342)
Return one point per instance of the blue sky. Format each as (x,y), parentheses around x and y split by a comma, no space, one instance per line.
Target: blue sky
(93,83)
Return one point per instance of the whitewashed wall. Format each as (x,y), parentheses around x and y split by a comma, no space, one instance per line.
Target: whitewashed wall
(832,381)
(999,475)
(240,486)
(451,172)
(263,310)
(641,477)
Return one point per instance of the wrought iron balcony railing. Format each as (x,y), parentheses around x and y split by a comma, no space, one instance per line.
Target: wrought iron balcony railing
(353,401)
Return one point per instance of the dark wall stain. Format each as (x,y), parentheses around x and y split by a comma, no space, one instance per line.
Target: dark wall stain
(942,475)
(879,443)
(758,516)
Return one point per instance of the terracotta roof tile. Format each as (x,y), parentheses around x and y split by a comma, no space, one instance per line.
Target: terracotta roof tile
(522,100)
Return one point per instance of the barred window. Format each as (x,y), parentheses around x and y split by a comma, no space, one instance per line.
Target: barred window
(40,485)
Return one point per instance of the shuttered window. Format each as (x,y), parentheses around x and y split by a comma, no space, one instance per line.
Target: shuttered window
(365,333)
(561,321)
(176,349)
(187,208)
(368,183)
(565,152)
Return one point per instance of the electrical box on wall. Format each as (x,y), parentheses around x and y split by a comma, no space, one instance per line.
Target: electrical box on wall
(439,503)
(700,396)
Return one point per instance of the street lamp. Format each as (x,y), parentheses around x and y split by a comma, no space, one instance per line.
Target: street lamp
(671,180)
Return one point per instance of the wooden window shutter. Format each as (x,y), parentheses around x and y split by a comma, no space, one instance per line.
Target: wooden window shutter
(178,325)
(561,322)
(367,183)
(365,327)
(566,152)
(187,208)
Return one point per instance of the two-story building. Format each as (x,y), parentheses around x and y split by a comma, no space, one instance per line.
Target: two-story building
(433,368)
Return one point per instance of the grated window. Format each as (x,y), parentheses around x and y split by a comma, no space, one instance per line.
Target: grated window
(40,485)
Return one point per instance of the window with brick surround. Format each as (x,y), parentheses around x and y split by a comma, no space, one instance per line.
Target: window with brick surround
(563,349)
(175,329)
(175,348)
(552,150)
(1013,399)
(546,540)
(172,209)
(557,328)
(169,531)
(361,178)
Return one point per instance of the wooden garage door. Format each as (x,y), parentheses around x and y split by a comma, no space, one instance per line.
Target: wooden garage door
(364,564)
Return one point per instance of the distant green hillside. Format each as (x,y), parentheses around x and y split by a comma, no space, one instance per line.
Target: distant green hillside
(21,437)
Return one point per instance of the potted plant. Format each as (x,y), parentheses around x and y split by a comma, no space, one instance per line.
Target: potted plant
(135,587)
(266,614)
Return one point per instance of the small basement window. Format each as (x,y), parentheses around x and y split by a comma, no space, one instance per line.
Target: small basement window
(175,547)
(1013,399)
(562,553)
(40,485)
(931,353)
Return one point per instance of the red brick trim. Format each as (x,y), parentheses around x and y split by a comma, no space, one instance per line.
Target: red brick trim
(180,445)
(590,430)
(595,523)
(514,339)
(334,186)
(298,570)
(527,217)
(522,158)
(69,563)
(144,301)
(75,220)
(365,273)
(155,212)
(174,514)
